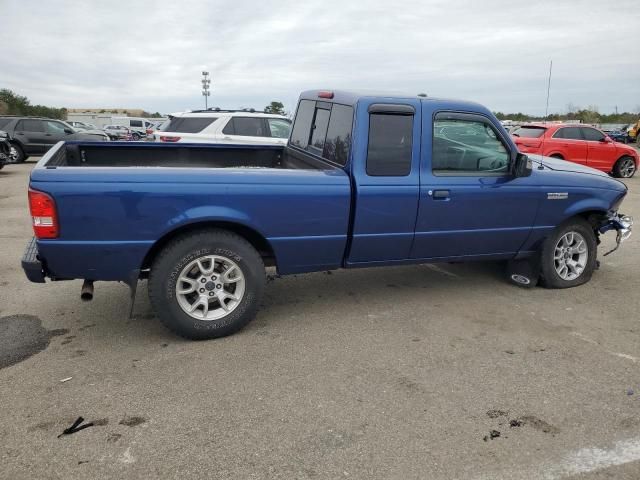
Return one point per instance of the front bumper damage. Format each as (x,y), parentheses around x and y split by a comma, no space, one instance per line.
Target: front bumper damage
(622,224)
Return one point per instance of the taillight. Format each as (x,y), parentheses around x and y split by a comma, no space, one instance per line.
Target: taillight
(166,138)
(43,214)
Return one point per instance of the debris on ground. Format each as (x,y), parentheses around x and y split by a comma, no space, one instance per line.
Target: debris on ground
(76,427)
(494,413)
(492,434)
(65,379)
(630,392)
(515,423)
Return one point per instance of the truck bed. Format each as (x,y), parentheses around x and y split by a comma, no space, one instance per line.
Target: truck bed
(117,200)
(125,154)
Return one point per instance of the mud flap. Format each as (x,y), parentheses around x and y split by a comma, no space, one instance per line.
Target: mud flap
(525,272)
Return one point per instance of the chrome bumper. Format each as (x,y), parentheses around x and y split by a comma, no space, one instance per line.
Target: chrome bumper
(622,224)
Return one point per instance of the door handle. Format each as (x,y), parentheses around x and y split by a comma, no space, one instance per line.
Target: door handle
(439,194)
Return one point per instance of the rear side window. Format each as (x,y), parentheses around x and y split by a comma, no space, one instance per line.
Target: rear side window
(338,141)
(246,127)
(302,123)
(390,145)
(528,132)
(135,123)
(570,133)
(188,124)
(279,128)
(31,126)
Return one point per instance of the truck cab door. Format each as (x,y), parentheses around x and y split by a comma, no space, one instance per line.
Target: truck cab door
(471,206)
(385,181)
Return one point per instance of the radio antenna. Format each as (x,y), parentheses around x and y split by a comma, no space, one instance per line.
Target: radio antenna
(546,110)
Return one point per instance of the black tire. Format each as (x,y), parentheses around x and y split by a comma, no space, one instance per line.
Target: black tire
(558,156)
(549,277)
(135,136)
(621,168)
(19,156)
(176,256)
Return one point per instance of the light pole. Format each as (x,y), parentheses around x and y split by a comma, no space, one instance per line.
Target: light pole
(205,88)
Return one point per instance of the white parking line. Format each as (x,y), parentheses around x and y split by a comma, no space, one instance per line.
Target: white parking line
(591,459)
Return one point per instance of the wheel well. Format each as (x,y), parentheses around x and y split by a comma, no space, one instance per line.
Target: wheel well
(593,217)
(253,237)
(557,155)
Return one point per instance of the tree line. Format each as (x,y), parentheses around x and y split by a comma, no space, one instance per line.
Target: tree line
(13,104)
(585,115)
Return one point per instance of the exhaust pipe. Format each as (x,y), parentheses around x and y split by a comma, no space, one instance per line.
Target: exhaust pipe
(86,293)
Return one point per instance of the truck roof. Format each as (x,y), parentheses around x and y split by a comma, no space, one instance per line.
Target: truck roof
(351,97)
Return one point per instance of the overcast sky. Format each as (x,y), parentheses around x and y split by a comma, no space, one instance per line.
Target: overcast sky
(150,54)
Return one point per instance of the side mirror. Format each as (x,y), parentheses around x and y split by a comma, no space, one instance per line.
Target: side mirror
(606,139)
(68,131)
(522,167)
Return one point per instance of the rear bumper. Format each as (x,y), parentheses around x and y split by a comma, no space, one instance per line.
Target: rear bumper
(31,264)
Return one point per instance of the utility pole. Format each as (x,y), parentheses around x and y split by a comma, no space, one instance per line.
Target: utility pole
(205,89)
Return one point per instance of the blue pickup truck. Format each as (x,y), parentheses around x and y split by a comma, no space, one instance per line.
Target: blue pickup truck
(365,180)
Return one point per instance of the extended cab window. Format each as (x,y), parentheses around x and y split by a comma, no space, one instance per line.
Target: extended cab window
(390,144)
(338,141)
(135,123)
(467,144)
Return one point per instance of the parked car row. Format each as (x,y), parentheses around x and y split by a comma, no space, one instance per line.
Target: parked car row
(577,143)
(36,135)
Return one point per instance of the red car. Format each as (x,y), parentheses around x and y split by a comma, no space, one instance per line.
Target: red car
(580,144)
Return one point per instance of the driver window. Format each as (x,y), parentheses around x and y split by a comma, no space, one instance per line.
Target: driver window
(467,146)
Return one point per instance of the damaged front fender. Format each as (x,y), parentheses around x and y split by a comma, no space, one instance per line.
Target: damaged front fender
(622,224)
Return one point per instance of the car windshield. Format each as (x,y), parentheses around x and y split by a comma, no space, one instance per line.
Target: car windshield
(529,132)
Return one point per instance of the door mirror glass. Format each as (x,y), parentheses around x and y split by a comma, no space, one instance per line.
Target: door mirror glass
(523,166)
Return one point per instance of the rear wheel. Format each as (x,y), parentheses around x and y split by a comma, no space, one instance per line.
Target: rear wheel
(568,256)
(207,285)
(135,136)
(625,167)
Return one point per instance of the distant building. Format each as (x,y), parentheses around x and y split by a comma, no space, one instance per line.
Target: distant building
(129,112)
(104,116)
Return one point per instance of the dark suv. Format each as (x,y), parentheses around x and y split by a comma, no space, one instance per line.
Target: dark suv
(34,135)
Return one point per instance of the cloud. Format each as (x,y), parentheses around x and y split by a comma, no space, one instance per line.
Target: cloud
(150,54)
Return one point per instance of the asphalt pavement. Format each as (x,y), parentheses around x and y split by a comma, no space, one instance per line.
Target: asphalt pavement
(413,372)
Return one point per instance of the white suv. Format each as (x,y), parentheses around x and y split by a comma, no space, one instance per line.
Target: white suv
(244,127)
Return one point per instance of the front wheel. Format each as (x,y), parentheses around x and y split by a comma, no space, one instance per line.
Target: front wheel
(625,167)
(16,154)
(568,256)
(207,284)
